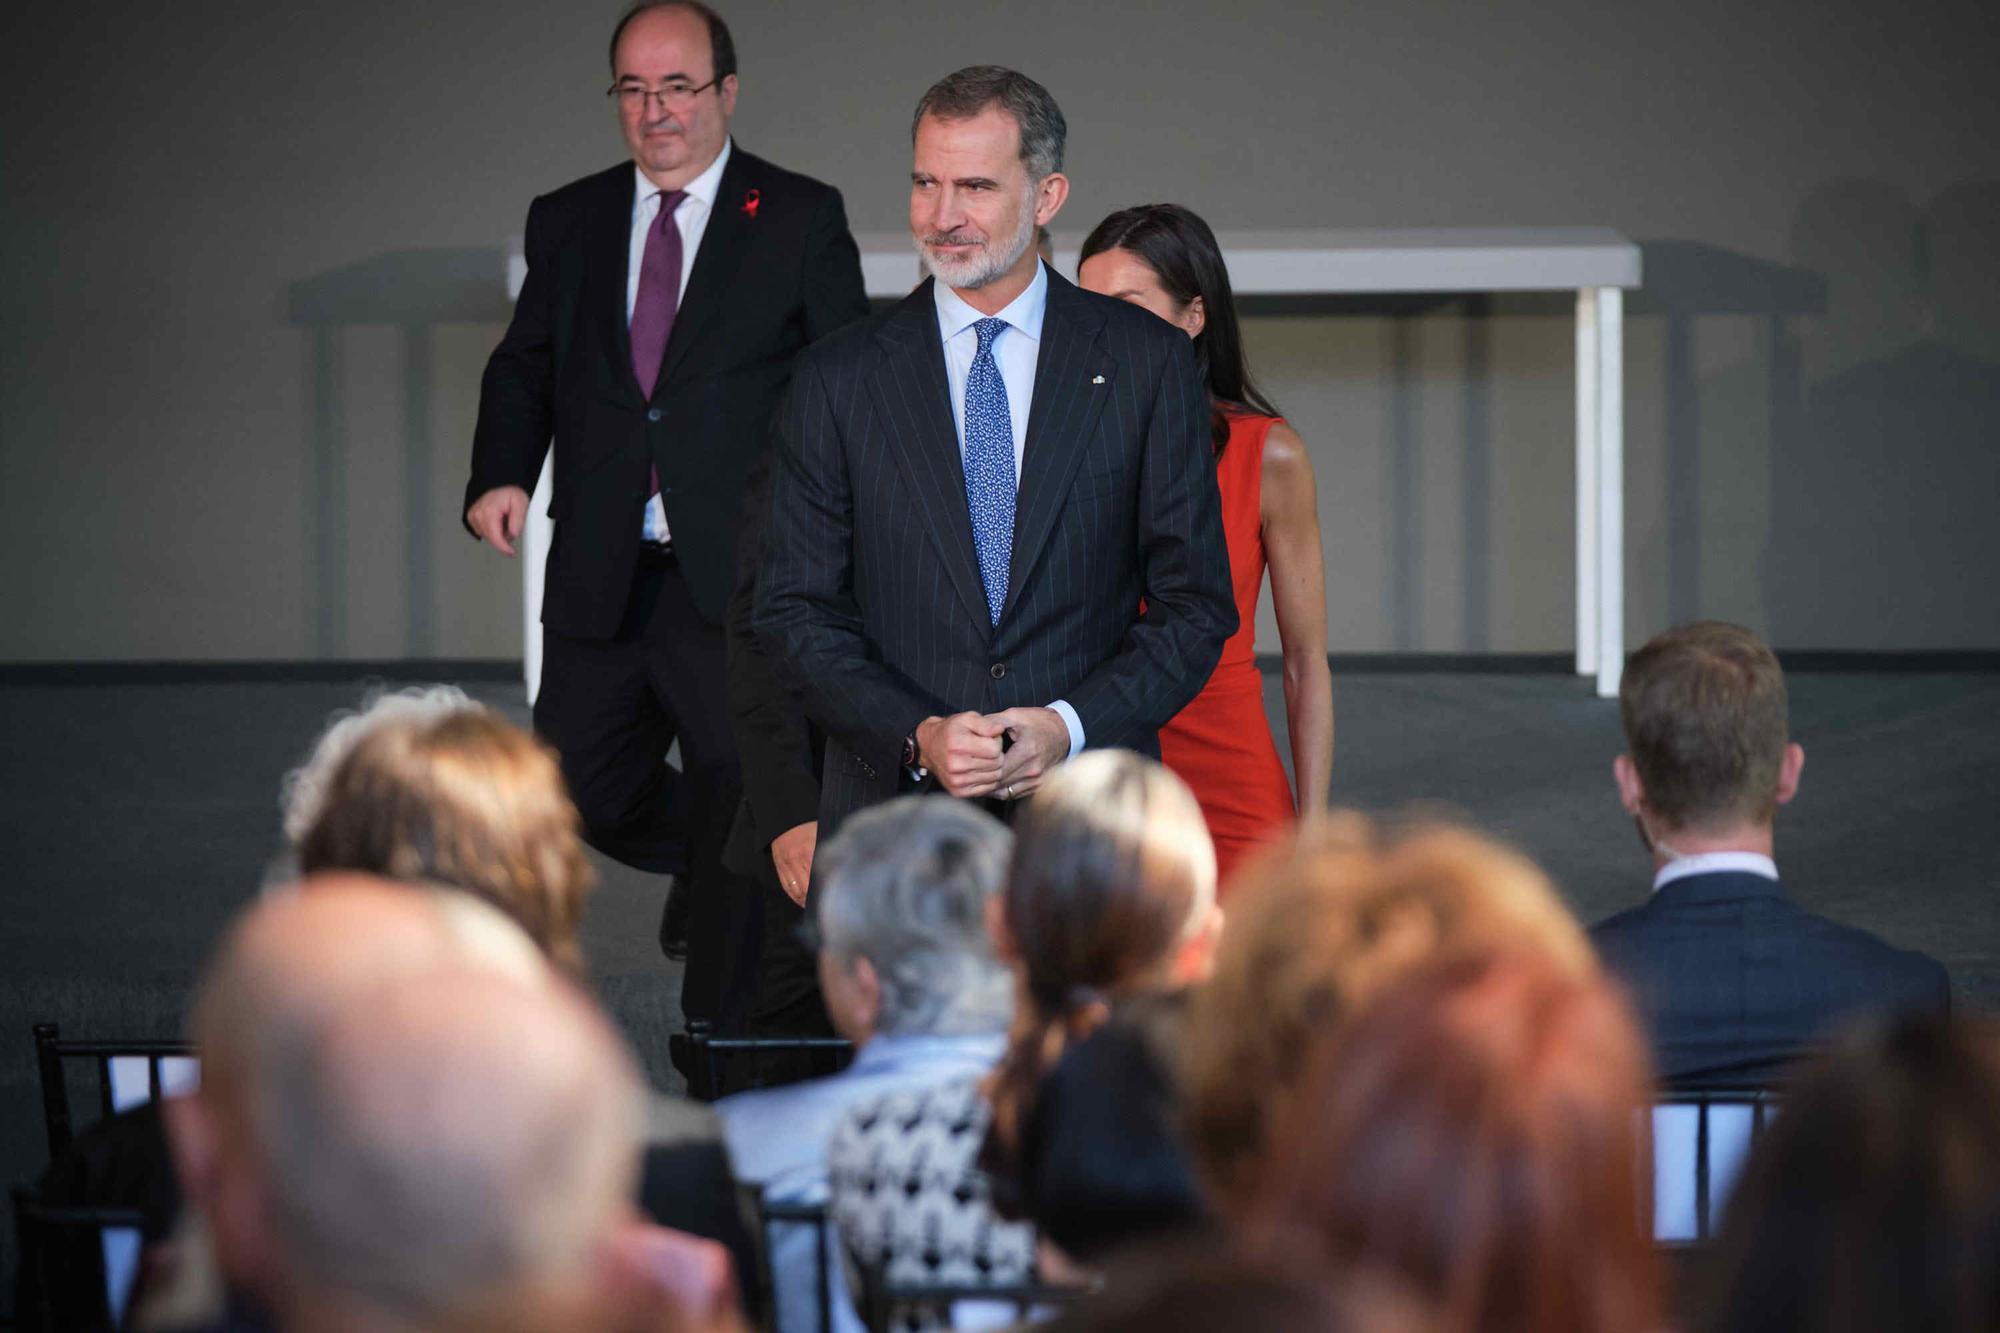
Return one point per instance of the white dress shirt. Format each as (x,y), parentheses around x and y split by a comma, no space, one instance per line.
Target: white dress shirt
(691,218)
(1014,353)
(1709,863)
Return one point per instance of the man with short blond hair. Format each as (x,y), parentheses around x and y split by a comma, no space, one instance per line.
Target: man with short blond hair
(1733,977)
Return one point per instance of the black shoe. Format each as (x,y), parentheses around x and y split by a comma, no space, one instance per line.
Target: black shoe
(674,920)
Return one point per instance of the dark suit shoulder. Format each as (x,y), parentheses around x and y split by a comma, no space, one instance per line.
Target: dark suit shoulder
(776,179)
(1127,318)
(587,192)
(857,345)
(1668,919)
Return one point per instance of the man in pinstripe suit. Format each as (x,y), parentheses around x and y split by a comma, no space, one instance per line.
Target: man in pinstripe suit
(995,535)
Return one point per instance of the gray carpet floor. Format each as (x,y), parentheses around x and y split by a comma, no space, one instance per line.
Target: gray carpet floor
(136,818)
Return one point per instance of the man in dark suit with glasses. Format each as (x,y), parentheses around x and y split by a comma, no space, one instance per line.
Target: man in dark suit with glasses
(665,301)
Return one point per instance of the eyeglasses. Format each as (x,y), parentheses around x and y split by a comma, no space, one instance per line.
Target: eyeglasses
(674,95)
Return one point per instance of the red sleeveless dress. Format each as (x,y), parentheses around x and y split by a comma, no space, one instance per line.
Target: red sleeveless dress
(1220,744)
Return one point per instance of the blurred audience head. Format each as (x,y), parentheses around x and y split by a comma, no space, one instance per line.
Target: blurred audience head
(463,798)
(453,1149)
(899,906)
(1873,1200)
(302,793)
(281,973)
(1478,1132)
(1194,1286)
(1111,893)
(1707,759)
(1317,926)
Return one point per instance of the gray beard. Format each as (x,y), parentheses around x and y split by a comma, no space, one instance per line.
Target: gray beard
(983,268)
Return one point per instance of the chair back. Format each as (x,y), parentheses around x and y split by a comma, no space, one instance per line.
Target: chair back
(884,1304)
(1701,1138)
(126,1073)
(736,1064)
(772,1214)
(78,1264)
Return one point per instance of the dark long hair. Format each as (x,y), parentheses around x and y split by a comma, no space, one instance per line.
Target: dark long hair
(1874,1199)
(1180,249)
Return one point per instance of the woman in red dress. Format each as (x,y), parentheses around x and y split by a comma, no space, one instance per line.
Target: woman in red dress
(1165,258)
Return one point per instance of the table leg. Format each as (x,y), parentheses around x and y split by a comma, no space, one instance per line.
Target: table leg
(1610,490)
(1587,375)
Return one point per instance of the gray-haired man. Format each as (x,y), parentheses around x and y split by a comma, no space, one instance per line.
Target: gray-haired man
(910,976)
(978,490)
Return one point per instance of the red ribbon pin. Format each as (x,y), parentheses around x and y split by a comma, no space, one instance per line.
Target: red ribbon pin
(750,201)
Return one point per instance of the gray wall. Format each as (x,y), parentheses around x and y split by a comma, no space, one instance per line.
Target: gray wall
(252,254)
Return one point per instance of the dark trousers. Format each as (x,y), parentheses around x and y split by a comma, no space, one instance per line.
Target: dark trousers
(612,708)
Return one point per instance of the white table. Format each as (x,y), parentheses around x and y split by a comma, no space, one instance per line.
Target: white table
(1598,265)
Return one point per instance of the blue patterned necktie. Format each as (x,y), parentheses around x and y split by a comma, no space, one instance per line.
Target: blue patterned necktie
(989,467)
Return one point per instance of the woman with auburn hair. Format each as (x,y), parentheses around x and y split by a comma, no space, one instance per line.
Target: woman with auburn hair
(1318,925)
(1165,258)
(1477,1132)
(467,800)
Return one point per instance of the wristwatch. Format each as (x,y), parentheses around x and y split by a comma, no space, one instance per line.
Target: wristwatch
(910,750)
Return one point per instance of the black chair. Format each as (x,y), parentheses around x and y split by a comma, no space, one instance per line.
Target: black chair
(79,1253)
(77,1263)
(735,1064)
(1701,1136)
(113,1063)
(882,1301)
(770,1213)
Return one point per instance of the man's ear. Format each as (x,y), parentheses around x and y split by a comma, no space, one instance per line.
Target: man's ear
(1631,791)
(1049,197)
(1789,769)
(867,989)
(998,930)
(727,95)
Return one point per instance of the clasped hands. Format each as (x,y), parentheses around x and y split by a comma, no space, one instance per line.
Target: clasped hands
(1004,754)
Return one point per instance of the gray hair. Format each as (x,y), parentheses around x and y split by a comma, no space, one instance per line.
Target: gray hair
(966,93)
(905,886)
(302,793)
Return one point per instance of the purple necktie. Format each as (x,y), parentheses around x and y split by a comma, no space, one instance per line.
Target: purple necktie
(659,297)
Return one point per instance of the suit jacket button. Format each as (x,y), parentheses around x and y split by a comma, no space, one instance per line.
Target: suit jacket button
(998,671)
(653,414)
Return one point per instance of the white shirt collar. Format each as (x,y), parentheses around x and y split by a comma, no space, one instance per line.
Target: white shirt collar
(1023,313)
(702,187)
(1709,863)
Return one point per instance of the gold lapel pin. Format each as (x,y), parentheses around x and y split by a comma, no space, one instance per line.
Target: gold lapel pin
(1097,379)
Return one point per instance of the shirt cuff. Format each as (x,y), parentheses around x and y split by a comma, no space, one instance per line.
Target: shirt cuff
(1073,722)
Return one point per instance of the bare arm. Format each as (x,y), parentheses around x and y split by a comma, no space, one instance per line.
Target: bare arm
(1290,518)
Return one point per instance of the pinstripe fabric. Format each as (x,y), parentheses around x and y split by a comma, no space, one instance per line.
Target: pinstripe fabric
(872,597)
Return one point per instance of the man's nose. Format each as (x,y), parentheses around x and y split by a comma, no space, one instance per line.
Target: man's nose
(946,213)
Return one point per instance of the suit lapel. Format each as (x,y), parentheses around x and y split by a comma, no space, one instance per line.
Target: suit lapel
(1071,377)
(911,393)
(609,251)
(722,243)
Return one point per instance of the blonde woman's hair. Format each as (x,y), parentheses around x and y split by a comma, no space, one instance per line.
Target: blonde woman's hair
(1320,923)
(1113,870)
(464,799)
